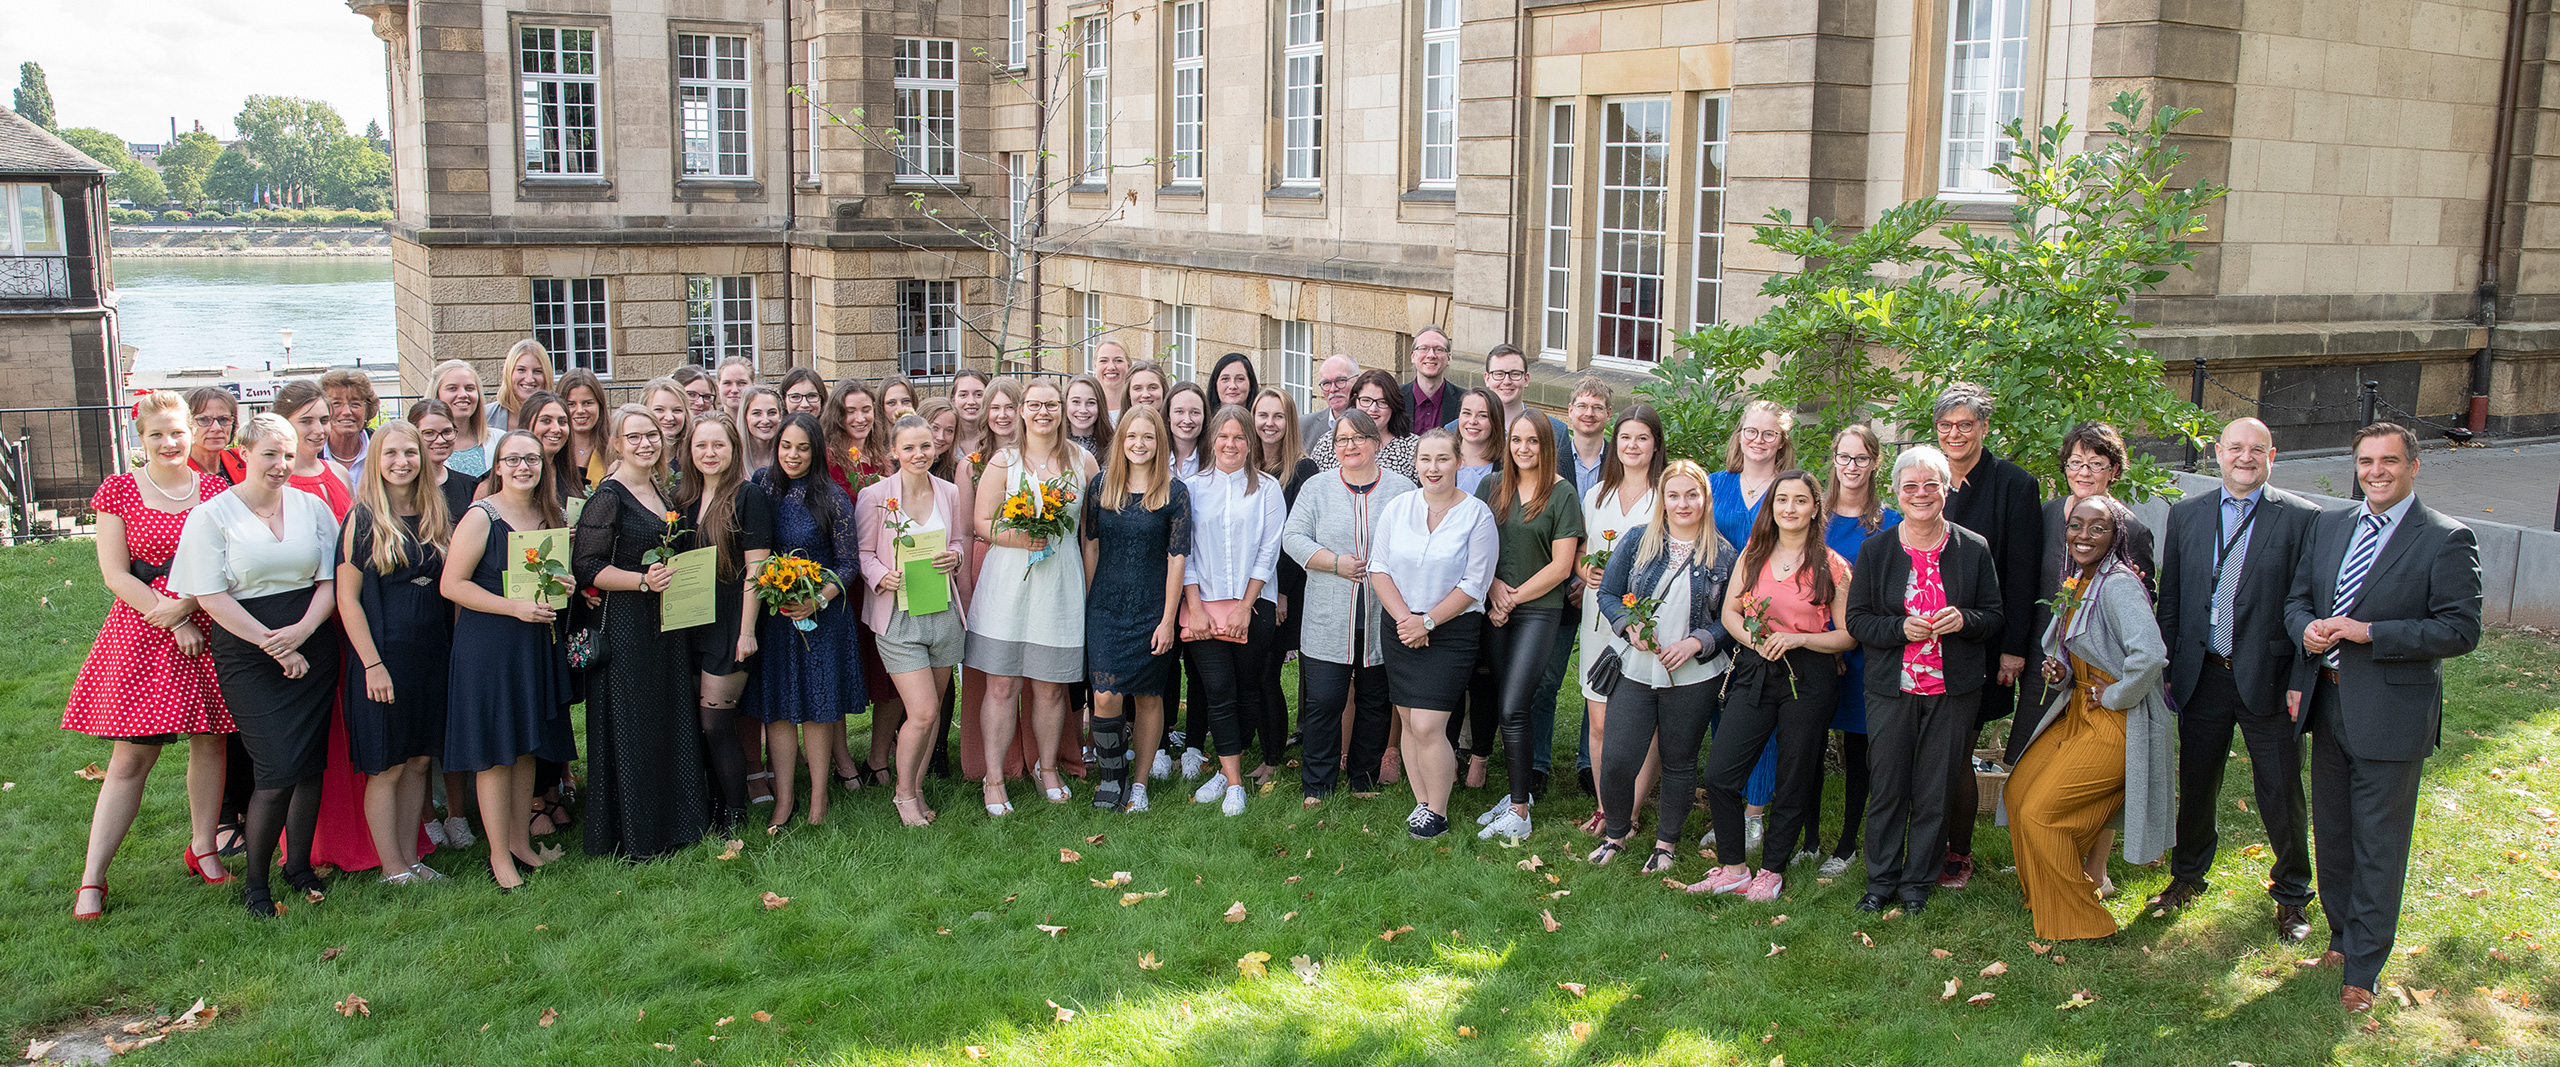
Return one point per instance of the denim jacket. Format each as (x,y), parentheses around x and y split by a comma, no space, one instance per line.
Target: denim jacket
(1706,591)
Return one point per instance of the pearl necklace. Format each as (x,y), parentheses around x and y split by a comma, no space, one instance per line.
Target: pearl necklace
(145,476)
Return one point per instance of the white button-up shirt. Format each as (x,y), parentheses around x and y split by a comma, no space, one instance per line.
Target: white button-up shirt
(1424,563)
(1235,535)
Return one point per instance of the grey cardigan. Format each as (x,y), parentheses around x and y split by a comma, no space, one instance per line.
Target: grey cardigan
(1326,517)
(2117,632)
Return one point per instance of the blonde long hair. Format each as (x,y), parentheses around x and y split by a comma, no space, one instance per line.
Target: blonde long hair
(1117,475)
(1785,457)
(1656,530)
(508,397)
(476,428)
(383,501)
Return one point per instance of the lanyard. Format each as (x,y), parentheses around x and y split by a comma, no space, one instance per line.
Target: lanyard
(2224,556)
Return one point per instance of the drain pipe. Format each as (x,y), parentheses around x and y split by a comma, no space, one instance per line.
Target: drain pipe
(2493,224)
(789,183)
(1037,226)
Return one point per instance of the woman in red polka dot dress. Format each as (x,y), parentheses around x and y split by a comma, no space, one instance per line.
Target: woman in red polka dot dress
(148,679)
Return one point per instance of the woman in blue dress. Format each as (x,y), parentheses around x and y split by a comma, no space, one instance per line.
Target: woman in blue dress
(811,677)
(1762,448)
(1856,512)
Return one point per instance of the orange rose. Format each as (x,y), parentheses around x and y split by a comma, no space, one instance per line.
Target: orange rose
(1628,600)
(531,555)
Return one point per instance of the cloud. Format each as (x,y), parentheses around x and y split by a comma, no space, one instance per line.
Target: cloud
(127,66)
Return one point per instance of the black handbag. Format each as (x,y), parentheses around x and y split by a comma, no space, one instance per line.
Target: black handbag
(1605,672)
(586,643)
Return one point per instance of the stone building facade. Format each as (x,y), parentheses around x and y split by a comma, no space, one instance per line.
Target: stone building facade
(1295,178)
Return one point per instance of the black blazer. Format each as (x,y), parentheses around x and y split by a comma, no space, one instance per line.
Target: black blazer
(2262,650)
(1880,579)
(2001,501)
(2422,597)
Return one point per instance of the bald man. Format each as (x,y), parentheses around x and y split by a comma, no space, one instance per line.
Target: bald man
(2226,566)
(1333,382)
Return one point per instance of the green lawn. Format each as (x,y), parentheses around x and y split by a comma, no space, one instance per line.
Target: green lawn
(907,946)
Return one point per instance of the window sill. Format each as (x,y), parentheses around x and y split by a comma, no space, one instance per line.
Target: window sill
(1430,196)
(564,189)
(1090,189)
(726,190)
(1294,192)
(927,186)
(1191,191)
(1982,209)
(807,185)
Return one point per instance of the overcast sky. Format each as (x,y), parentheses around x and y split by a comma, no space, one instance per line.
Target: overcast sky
(127,66)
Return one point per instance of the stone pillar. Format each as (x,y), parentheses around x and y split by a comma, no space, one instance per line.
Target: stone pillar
(1802,74)
(1486,288)
(2176,53)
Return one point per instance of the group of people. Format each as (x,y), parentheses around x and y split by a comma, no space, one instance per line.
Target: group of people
(1122,563)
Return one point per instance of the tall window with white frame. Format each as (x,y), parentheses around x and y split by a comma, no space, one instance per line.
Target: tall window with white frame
(563,133)
(1190,90)
(719,318)
(928,328)
(1090,324)
(1298,362)
(1017,217)
(926,105)
(1095,115)
(711,105)
(569,321)
(809,98)
(1986,89)
(1635,196)
(1438,134)
(1302,93)
(1017,34)
(1706,255)
(1555,334)
(1181,342)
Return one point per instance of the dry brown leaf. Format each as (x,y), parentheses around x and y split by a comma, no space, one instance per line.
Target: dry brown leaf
(1548,919)
(975,1052)
(1581,1030)
(1069,855)
(1531,864)
(2040,947)
(1185,1008)
(732,852)
(1391,934)
(1289,916)
(2080,998)
(1235,912)
(1147,961)
(1551,878)
(725,1020)
(1953,984)
(1052,931)
(1864,941)
(1306,968)
(1559,894)
(1940,953)
(1997,968)
(774,900)
(549,1016)
(332,953)
(1097,839)
(1774,949)
(92,773)
(762,1016)
(1980,998)
(194,1018)
(1127,899)
(121,1047)
(1779,921)
(1466,1031)
(353,1006)
(662,1046)
(2425,996)
(1576,988)
(1064,1014)
(1890,914)
(1291,880)
(38,1050)
(1250,965)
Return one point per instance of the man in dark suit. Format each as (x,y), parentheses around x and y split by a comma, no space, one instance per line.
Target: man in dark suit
(2223,581)
(1431,398)
(2383,594)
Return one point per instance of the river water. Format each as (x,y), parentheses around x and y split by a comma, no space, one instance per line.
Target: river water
(217,311)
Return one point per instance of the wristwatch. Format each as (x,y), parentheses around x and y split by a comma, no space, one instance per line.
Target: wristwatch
(1427,624)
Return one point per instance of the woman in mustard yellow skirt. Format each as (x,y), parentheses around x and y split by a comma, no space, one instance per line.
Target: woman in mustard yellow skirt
(2103,744)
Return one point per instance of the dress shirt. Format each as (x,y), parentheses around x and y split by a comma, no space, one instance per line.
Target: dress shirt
(2234,512)
(1585,475)
(225,548)
(1434,411)
(1235,535)
(1424,563)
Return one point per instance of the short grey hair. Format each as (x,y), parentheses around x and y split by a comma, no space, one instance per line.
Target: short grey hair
(1964,395)
(1926,456)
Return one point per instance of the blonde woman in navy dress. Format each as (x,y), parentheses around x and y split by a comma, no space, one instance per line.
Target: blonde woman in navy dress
(400,629)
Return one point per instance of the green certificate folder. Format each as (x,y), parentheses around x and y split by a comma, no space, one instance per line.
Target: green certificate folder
(926,590)
(692,592)
(519,583)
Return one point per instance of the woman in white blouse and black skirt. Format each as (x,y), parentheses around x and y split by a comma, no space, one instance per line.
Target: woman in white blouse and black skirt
(260,559)
(1434,555)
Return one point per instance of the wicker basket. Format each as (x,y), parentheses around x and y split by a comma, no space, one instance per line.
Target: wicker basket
(1991,784)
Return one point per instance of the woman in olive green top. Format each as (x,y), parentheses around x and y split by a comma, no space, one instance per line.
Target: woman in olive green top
(1538,518)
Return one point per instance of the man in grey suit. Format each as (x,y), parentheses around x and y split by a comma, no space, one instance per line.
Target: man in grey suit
(2383,594)
(1333,384)
(2224,575)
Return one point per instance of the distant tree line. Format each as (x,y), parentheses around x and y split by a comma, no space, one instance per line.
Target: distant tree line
(292,151)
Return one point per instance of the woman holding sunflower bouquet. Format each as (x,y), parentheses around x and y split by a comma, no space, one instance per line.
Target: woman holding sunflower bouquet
(812,676)
(1026,619)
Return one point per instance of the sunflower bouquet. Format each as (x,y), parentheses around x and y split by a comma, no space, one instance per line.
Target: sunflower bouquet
(1040,510)
(791,580)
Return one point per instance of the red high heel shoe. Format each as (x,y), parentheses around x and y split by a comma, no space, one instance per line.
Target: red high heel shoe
(195,864)
(89,916)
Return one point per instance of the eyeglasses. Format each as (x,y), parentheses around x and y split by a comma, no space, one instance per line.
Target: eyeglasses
(1959,426)
(1030,407)
(1920,488)
(1441,349)
(435,435)
(1506,376)
(1368,402)
(632,438)
(212,421)
(519,461)
(1356,437)
(1335,381)
(2090,466)
(1853,462)
(1754,433)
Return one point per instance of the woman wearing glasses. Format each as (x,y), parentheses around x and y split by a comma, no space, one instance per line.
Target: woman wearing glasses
(216,416)
(1923,604)
(1856,512)
(1996,498)
(1760,448)
(1375,394)
(1343,640)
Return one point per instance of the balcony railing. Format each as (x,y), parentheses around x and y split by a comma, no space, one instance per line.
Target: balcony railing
(35,278)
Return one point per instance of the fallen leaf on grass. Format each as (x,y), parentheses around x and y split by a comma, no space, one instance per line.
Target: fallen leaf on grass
(1069,855)
(975,1052)
(1064,1014)
(1391,934)
(92,773)
(194,1018)
(1292,879)
(2476,891)
(662,1046)
(1997,968)
(762,1016)
(1305,967)
(732,853)
(1953,984)
(2080,998)
(1548,918)
(38,1050)
(1466,1031)
(549,1016)
(2040,947)
(1052,931)
(1531,864)
(1890,914)
(1980,998)
(1581,1030)
(1235,912)
(2371,1026)
(1127,899)
(1774,949)
(1289,916)
(725,1020)
(1779,921)
(1575,988)
(1250,965)
(1559,894)
(1551,878)
(354,1005)
(1118,878)
(1863,940)
(1147,961)
(121,1047)
(332,953)
(774,900)
(1940,953)
(1097,839)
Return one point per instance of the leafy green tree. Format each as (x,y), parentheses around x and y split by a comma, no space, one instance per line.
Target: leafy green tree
(185,163)
(132,180)
(374,136)
(1882,321)
(233,177)
(352,164)
(292,137)
(34,99)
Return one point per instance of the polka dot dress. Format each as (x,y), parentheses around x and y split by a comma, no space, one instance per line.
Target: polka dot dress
(135,684)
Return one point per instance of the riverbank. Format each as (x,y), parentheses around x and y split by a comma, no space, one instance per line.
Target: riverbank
(196,252)
(205,241)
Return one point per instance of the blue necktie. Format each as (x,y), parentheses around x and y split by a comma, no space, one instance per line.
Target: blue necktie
(2226,585)
(2368,544)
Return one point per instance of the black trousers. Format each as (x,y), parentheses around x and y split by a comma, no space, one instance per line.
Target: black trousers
(2363,813)
(2275,774)
(1323,688)
(1229,680)
(1637,714)
(1913,744)
(1760,710)
(1517,653)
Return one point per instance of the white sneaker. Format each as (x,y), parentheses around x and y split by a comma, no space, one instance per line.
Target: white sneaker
(1192,761)
(435,832)
(1511,824)
(1835,866)
(1707,840)
(1752,826)
(1163,765)
(1803,858)
(1501,804)
(1210,790)
(1138,796)
(458,830)
(1235,801)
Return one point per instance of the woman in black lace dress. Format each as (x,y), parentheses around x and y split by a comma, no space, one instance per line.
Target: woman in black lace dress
(648,793)
(1136,529)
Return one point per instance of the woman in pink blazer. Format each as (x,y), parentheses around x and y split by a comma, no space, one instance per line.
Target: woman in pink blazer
(918,650)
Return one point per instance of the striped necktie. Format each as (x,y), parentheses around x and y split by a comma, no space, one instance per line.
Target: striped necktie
(2368,544)
(2226,584)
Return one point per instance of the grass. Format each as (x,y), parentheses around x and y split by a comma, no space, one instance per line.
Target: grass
(904,946)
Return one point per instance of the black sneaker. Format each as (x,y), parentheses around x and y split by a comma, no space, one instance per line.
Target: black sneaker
(1107,795)
(1426,824)
(1872,903)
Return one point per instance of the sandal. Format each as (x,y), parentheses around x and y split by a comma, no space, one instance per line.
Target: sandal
(1660,861)
(239,842)
(1002,805)
(765,797)
(1608,850)
(911,810)
(1595,823)
(1058,795)
(854,781)
(89,916)
(314,890)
